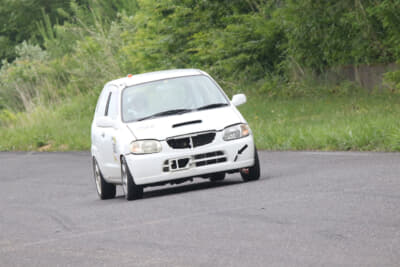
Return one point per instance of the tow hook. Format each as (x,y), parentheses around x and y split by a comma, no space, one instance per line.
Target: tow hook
(240,151)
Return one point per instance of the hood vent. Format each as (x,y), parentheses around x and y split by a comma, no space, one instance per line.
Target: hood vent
(186,123)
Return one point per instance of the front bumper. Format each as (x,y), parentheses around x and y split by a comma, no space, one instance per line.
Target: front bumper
(171,164)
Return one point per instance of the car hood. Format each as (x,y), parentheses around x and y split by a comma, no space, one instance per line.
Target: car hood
(168,126)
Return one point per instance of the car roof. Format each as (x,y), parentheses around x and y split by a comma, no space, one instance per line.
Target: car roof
(154,76)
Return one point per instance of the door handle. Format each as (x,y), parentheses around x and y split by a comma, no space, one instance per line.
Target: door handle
(103,134)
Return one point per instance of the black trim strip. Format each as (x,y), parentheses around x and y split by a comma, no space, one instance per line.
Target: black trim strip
(242,149)
(108,104)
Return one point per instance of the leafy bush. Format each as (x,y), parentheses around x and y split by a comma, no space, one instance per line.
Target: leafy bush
(79,58)
(323,34)
(392,81)
(24,80)
(269,49)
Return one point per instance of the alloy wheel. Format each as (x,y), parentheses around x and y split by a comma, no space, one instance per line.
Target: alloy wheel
(97,178)
(124,178)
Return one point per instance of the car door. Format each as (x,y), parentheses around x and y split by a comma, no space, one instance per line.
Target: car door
(98,129)
(108,136)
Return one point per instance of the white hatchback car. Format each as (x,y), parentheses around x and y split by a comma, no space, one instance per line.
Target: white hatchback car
(168,127)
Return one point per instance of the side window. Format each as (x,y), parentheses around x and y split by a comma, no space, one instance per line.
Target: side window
(112,105)
(102,102)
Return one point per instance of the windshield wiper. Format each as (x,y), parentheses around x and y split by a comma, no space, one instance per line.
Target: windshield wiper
(215,105)
(166,113)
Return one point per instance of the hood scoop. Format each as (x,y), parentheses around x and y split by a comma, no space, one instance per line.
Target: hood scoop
(186,123)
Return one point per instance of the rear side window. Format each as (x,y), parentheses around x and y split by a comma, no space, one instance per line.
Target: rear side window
(112,105)
(107,104)
(101,105)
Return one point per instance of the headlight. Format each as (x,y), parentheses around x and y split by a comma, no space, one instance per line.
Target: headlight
(236,131)
(145,147)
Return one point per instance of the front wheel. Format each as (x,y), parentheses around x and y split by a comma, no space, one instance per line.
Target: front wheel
(104,190)
(131,190)
(251,173)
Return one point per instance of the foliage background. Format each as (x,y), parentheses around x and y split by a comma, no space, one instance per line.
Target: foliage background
(56,55)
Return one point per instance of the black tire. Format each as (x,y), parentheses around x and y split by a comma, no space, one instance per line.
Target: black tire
(104,190)
(252,173)
(131,190)
(219,176)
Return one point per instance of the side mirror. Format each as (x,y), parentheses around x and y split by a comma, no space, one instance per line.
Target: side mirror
(238,99)
(104,122)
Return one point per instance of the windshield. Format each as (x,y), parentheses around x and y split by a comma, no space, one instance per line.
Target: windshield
(169,97)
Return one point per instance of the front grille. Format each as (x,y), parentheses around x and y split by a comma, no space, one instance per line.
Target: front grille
(179,143)
(209,158)
(197,160)
(191,141)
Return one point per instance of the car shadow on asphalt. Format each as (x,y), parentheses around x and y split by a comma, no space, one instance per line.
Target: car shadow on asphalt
(160,191)
(186,188)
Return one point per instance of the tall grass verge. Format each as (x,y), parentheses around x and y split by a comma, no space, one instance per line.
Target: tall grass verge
(61,127)
(359,122)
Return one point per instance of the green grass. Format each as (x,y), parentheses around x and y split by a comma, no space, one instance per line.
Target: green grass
(358,122)
(62,127)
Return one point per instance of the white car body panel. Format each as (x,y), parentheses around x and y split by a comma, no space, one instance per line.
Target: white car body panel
(110,143)
(150,170)
(162,128)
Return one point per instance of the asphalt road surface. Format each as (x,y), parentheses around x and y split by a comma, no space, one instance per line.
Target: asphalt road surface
(308,209)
